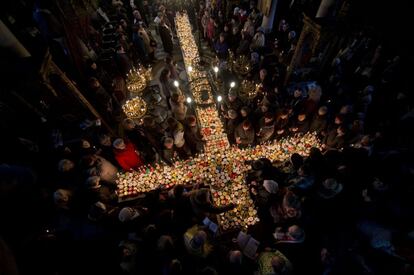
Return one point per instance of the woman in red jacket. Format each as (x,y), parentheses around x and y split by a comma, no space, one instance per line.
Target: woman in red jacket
(127,155)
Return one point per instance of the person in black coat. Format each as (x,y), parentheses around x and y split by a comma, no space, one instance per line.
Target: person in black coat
(166,37)
(320,121)
(301,125)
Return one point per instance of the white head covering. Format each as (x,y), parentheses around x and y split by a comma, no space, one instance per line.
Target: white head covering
(271,186)
(127,214)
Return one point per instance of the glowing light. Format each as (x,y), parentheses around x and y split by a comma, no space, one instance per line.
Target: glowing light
(216,69)
(232,84)
(219,98)
(176,84)
(190,69)
(189,100)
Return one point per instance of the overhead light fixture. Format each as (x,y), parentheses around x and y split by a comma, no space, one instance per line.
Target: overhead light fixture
(189,100)
(216,69)
(190,68)
(219,98)
(233,84)
(176,84)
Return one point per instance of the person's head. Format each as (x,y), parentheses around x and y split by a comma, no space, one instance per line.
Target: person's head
(232,95)
(296,160)
(162,9)
(254,57)
(341,130)
(284,114)
(346,109)
(128,214)
(297,93)
(323,110)
(137,14)
(278,264)
(104,140)
(93,182)
(232,113)
(128,124)
(97,211)
(178,191)
(65,165)
(120,49)
(202,196)
(61,197)
(268,117)
(365,140)
(315,153)
(264,108)
(175,267)
(222,37)
(263,74)
(271,186)
(165,243)
(199,239)
(247,125)
(168,143)
(123,23)
(291,35)
(93,83)
(119,144)
(235,257)
(301,117)
(235,30)
(304,170)
(339,119)
(191,121)
(165,75)
(85,144)
(169,59)
(226,28)
(245,111)
(93,66)
(175,97)
(172,122)
(296,232)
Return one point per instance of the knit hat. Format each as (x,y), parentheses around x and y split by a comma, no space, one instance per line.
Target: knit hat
(128,214)
(271,186)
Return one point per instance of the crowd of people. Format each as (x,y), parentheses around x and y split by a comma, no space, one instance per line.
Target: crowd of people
(345,208)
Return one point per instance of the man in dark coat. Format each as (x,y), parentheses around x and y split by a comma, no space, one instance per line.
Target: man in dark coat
(244,134)
(166,37)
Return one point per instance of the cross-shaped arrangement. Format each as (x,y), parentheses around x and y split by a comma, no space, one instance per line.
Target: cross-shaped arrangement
(221,166)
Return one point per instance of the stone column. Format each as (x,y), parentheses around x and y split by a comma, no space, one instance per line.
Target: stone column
(325,8)
(267,21)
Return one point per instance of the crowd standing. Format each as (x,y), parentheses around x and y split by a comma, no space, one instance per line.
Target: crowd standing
(343,209)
